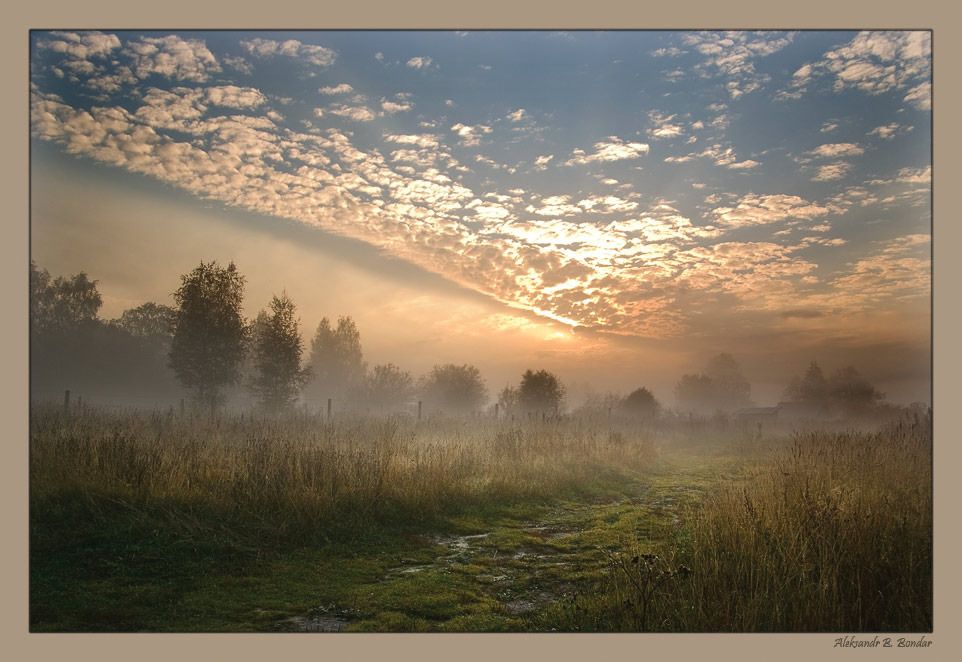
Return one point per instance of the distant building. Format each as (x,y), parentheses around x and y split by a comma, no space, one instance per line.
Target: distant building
(757,414)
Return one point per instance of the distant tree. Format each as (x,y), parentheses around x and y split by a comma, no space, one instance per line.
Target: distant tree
(276,347)
(209,333)
(695,393)
(454,389)
(597,404)
(852,393)
(732,389)
(388,388)
(640,403)
(336,360)
(723,386)
(149,320)
(41,297)
(541,392)
(811,388)
(63,304)
(509,401)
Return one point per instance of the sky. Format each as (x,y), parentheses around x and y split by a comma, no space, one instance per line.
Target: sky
(616,207)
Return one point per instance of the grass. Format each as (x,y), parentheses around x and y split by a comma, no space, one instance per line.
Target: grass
(832,533)
(151,522)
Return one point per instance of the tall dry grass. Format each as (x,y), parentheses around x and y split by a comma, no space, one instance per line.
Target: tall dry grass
(832,533)
(300,476)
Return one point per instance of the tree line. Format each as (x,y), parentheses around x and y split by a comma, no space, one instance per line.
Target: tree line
(203,344)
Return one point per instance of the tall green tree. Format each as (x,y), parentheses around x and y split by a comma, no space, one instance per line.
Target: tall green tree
(277,347)
(208,346)
(541,392)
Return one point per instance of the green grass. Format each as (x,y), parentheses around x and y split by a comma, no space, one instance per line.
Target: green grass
(147,522)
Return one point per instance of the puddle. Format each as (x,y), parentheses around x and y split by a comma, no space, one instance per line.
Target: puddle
(458,543)
(529,603)
(320,624)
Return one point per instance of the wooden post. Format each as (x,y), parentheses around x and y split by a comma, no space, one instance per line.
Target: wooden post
(66,399)
(419,410)
(329,407)
(496,406)
(80,401)
(181,407)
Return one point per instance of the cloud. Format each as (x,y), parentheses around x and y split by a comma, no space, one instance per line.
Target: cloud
(801,313)
(732,55)
(836,150)
(541,163)
(874,63)
(763,209)
(832,171)
(420,63)
(232,96)
(81,45)
(662,126)
(267,48)
(900,268)
(342,88)
(889,131)
(356,113)
(389,107)
(920,96)
(470,135)
(555,205)
(173,57)
(614,149)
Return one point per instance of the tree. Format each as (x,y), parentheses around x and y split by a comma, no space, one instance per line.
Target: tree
(388,388)
(695,393)
(640,403)
(453,388)
(337,360)
(209,334)
(811,388)
(732,389)
(722,387)
(276,347)
(541,392)
(852,393)
(63,304)
(508,401)
(149,320)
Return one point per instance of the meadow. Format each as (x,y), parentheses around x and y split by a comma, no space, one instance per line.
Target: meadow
(156,522)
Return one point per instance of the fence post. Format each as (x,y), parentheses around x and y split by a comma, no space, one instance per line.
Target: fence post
(419,410)
(496,406)
(329,408)
(66,399)
(181,407)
